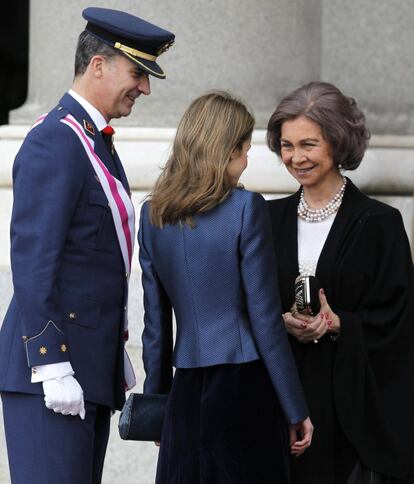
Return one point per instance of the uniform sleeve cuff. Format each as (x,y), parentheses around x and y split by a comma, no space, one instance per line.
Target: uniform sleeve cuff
(42,373)
(47,347)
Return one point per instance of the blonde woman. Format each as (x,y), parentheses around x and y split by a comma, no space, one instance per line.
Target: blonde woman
(205,251)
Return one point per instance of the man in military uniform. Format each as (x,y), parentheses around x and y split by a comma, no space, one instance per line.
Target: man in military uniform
(62,362)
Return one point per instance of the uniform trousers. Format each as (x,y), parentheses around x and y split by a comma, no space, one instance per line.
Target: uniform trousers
(47,448)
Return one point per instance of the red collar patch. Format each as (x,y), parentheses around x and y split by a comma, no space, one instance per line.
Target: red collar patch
(89,127)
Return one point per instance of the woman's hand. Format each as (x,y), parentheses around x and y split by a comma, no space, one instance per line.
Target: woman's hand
(307,328)
(304,431)
(332,319)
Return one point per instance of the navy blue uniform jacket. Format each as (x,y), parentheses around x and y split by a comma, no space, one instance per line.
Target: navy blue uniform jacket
(218,278)
(68,272)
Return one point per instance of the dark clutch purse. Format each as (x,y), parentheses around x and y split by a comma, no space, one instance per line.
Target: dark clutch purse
(307,295)
(142,417)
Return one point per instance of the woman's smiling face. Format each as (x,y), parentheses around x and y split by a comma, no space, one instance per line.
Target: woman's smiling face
(305,152)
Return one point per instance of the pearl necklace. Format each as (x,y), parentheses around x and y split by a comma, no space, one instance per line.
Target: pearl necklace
(319,214)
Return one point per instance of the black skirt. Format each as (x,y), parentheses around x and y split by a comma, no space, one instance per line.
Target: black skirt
(224,425)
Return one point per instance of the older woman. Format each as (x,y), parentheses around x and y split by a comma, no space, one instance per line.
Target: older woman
(355,357)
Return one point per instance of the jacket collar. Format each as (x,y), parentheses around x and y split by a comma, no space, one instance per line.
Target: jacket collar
(92,131)
(94,114)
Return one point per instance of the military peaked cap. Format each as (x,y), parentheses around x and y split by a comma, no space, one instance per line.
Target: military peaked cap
(139,40)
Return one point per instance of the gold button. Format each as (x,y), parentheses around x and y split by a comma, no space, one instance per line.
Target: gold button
(63,348)
(34,371)
(72,316)
(43,350)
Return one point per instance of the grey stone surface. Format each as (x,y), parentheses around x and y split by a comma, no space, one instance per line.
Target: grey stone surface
(4,470)
(367,52)
(259,50)
(6,292)
(256,49)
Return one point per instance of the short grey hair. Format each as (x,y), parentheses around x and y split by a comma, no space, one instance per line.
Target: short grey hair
(341,121)
(88,46)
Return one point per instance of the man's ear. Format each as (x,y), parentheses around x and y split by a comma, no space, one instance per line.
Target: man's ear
(96,65)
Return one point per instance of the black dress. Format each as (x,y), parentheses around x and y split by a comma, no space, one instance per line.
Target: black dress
(359,388)
(224,425)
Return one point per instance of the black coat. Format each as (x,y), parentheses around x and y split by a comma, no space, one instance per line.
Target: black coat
(364,381)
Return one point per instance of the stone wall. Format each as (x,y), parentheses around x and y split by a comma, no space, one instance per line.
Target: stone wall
(367,51)
(256,49)
(259,50)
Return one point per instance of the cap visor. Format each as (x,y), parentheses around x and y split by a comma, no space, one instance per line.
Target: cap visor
(150,67)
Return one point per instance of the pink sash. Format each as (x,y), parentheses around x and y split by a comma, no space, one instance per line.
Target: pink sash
(123,215)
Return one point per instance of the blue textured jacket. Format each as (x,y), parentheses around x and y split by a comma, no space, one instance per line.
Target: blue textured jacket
(68,272)
(220,280)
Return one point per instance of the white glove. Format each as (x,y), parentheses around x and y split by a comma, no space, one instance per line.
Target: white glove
(64,395)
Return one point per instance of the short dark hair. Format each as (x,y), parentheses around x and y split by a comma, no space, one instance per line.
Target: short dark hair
(87,47)
(341,121)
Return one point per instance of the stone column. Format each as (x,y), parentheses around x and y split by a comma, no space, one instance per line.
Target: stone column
(367,52)
(258,50)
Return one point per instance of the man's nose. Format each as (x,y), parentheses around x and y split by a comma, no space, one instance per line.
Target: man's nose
(144,85)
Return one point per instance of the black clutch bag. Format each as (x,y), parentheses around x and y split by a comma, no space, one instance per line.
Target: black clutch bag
(142,417)
(307,295)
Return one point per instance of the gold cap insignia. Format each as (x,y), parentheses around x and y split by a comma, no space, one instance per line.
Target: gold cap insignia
(164,47)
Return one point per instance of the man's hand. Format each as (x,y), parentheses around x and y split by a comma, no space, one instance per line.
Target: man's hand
(64,395)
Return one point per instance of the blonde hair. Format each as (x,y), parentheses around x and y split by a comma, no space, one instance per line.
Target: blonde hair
(194,178)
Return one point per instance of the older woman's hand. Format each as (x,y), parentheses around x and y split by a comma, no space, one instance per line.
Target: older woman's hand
(307,328)
(332,319)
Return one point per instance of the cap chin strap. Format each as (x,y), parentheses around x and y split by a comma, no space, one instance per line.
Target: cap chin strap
(135,52)
(145,68)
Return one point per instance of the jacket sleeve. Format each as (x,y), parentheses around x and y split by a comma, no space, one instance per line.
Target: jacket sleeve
(157,337)
(264,307)
(46,185)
